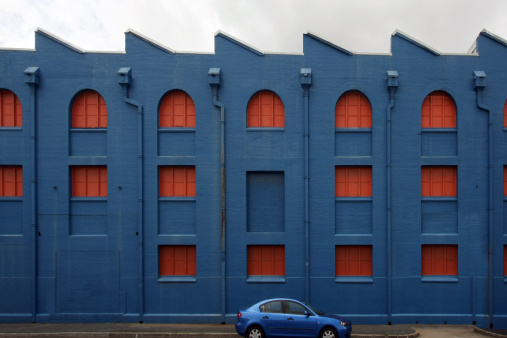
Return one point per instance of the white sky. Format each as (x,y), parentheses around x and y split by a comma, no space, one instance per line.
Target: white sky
(271,25)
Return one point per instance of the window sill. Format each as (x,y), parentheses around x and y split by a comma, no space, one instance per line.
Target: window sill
(11,198)
(439,199)
(439,130)
(177,199)
(353,199)
(176,129)
(88,199)
(264,129)
(265,279)
(353,130)
(88,130)
(354,279)
(11,128)
(177,279)
(439,279)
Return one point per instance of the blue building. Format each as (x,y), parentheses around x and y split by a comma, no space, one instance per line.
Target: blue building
(157,186)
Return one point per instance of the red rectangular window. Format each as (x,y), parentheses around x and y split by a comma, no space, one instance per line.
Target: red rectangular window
(10,109)
(11,180)
(266,260)
(438,181)
(176,181)
(439,260)
(89,181)
(353,182)
(177,260)
(353,260)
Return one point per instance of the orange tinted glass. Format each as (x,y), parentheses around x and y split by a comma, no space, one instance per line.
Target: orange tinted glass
(439,260)
(10,109)
(177,110)
(266,260)
(353,182)
(177,260)
(11,181)
(89,181)
(265,109)
(353,110)
(177,181)
(438,181)
(353,260)
(89,111)
(438,111)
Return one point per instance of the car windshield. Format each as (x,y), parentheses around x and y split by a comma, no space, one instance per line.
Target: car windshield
(314,309)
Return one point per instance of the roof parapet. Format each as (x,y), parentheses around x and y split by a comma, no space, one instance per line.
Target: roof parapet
(415,42)
(150,41)
(59,40)
(330,44)
(240,43)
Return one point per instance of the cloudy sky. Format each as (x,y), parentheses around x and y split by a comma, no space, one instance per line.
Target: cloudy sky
(450,26)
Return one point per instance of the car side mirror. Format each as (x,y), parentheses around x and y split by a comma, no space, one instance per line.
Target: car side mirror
(307,313)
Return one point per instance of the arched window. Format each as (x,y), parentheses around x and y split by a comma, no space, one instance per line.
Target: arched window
(438,111)
(10,109)
(265,109)
(353,110)
(89,111)
(177,110)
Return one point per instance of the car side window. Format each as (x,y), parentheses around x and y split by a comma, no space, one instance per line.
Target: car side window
(295,308)
(271,307)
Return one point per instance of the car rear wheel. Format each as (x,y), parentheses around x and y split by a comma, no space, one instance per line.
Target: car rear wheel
(328,332)
(254,332)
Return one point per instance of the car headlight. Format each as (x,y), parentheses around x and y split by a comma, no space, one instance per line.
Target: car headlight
(343,323)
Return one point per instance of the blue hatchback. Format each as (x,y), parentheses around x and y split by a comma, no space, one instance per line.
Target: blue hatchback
(290,318)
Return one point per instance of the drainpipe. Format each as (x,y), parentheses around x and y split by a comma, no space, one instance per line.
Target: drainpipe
(125,80)
(306,83)
(33,81)
(479,85)
(392,85)
(214,82)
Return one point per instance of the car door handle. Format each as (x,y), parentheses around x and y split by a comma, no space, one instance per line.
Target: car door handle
(290,318)
(265,317)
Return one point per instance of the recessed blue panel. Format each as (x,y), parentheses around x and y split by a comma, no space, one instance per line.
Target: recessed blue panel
(176,143)
(176,217)
(439,217)
(439,143)
(265,142)
(88,142)
(353,143)
(266,201)
(88,217)
(87,282)
(353,217)
(505,217)
(16,295)
(11,217)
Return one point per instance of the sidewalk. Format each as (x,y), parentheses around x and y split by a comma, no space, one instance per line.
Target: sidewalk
(134,330)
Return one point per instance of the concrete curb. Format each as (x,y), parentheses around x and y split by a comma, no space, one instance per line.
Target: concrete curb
(487,333)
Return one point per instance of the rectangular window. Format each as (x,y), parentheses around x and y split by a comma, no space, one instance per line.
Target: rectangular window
(177,260)
(11,180)
(353,182)
(266,201)
(440,260)
(438,181)
(89,181)
(353,260)
(176,181)
(266,260)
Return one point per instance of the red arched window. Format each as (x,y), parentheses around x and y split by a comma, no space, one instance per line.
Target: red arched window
(505,115)
(177,110)
(353,110)
(10,109)
(265,109)
(438,111)
(89,111)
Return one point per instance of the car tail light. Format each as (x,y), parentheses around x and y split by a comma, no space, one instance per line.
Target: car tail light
(239,315)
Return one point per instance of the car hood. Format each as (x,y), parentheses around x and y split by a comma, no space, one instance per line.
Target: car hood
(328,315)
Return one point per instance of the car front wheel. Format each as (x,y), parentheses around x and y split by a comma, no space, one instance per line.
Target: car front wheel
(254,332)
(328,333)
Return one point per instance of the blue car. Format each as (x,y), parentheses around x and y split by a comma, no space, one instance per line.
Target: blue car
(289,318)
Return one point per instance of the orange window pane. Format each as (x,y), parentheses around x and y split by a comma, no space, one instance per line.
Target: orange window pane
(353,260)
(11,181)
(265,109)
(438,181)
(89,111)
(353,110)
(177,110)
(89,181)
(438,111)
(10,109)
(177,181)
(439,260)
(177,260)
(266,260)
(353,182)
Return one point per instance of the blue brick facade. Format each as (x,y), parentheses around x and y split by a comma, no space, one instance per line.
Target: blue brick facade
(64,259)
